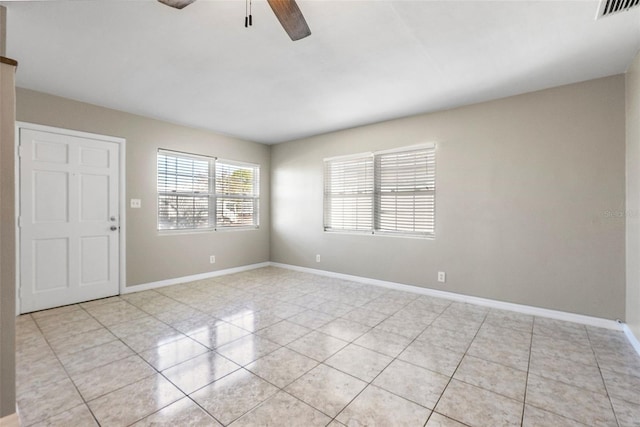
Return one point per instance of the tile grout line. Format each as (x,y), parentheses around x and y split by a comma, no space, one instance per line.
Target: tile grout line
(583,389)
(280,389)
(188,396)
(370,328)
(456,370)
(604,382)
(335,418)
(241,366)
(393,360)
(80,307)
(66,371)
(134,353)
(126,385)
(526,381)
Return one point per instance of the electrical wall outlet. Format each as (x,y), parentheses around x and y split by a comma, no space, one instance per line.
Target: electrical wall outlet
(442,277)
(136,203)
(212,259)
(318,258)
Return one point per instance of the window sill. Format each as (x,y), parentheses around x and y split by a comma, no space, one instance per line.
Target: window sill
(204,230)
(382,234)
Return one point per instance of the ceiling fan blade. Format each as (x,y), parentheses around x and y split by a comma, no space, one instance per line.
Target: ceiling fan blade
(178,4)
(290,17)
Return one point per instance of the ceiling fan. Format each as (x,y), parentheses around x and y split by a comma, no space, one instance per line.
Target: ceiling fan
(287,12)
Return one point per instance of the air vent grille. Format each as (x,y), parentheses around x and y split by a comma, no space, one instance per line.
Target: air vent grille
(610,7)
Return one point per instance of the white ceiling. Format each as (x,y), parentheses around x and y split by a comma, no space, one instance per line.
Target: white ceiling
(366,61)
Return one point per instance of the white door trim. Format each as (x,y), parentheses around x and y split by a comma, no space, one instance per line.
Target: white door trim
(122,209)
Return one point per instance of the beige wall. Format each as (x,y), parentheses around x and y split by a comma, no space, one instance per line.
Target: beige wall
(529,201)
(7,241)
(530,198)
(633,196)
(150,255)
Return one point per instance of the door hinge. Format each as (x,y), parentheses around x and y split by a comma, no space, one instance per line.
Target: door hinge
(20,150)
(20,221)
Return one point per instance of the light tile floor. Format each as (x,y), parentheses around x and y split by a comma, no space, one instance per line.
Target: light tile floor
(272,347)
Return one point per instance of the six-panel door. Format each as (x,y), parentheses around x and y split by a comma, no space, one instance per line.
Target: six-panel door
(69,219)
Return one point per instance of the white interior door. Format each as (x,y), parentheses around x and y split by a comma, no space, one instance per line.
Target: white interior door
(69,224)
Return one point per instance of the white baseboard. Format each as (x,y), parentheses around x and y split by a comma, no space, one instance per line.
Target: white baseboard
(10,420)
(519,308)
(185,279)
(631,337)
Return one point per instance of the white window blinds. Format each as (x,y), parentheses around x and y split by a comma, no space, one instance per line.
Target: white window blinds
(237,187)
(199,192)
(386,192)
(348,194)
(405,191)
(184,191)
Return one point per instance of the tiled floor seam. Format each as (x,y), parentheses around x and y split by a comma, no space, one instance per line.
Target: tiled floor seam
(66,372)
(570,385)
(370,383)
(526,382)
(346,373)
(210,349)
(196,403)
(86,403)
(283,388)
(393,360)
(188,396)
(458,366)
(604,382)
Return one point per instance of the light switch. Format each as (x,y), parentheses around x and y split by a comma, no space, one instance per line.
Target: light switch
(136,203)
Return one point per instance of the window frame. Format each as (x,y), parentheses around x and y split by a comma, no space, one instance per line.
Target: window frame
(369,193)
(212,195)
(254,196)
(376,194)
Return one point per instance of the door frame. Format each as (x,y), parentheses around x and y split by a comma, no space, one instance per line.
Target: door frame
(122,262)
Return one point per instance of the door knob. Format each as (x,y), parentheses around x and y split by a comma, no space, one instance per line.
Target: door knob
(114,228)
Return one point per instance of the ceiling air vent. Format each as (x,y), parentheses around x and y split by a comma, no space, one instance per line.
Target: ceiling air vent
(611,7)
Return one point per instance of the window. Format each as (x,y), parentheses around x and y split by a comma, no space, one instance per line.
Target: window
(236,194)
(199,192)
(184,191)
(385,192)
(405,191)
(348,194)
